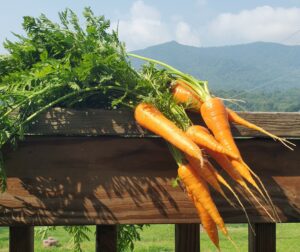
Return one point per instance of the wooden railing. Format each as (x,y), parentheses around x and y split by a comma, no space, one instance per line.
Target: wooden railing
(97,167)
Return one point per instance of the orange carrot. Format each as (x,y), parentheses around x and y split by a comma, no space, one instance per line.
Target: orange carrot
(227,165)
(199,189)
(207,222)
(203,138)
(151,118)
(232,167)
(223,181)
(234,117)
(208,176)
(236,169)
(215,117)
(184,96)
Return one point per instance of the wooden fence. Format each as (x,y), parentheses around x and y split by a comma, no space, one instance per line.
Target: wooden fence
(97,167)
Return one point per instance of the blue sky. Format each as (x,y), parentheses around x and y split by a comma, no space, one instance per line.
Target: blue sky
(144,23)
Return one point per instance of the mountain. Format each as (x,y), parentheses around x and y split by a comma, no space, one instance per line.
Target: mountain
(259,65)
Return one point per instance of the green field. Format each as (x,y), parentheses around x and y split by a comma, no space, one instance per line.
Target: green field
(160,238)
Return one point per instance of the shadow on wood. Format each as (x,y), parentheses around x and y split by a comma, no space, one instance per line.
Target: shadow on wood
(110,180)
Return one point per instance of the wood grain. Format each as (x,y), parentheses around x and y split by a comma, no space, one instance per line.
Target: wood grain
(95,122)
(111,180)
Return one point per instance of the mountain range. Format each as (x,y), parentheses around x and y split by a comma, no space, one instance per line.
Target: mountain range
(260,65)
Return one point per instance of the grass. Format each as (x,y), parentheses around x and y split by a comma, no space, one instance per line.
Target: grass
(161,238)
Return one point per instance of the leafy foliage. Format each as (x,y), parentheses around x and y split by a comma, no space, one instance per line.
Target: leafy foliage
(79,234)
(42,232)
(64,65)
(127,235)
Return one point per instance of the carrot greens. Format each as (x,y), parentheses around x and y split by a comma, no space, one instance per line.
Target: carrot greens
(67,65)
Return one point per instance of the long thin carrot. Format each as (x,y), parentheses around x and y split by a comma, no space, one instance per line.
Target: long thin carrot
(225,163)
(222,181)
(199,189)
(208,176)
(230,166)
(207,222)
(149,117)
(265,190)
(234,117)
(202,137)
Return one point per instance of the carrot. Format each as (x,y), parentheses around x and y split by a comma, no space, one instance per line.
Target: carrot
(199,189)
(181,94)
(223,181)
(184,96)
(215,117)
(265,191)
(149,117)
(207,222)
(232,167)
(225,163)
(234,117)
(202,137)
(235,169)
(208,176)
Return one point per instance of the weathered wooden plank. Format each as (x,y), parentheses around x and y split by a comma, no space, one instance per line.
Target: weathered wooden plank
(187,237)
(106,238)
(21,239)
(70,122)
(109,180)
(264,239)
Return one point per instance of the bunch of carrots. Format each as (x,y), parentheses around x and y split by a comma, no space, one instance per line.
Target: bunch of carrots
(191,144)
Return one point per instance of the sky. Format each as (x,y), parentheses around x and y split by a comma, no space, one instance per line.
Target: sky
(144,23)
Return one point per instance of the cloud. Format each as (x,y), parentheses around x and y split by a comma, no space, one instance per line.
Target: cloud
(185,35)
(144,27)
(263,23)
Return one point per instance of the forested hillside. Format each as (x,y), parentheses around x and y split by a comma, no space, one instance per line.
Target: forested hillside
(266,75)
(286,100)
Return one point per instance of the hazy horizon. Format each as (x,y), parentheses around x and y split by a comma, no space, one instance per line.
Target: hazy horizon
(200,23)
